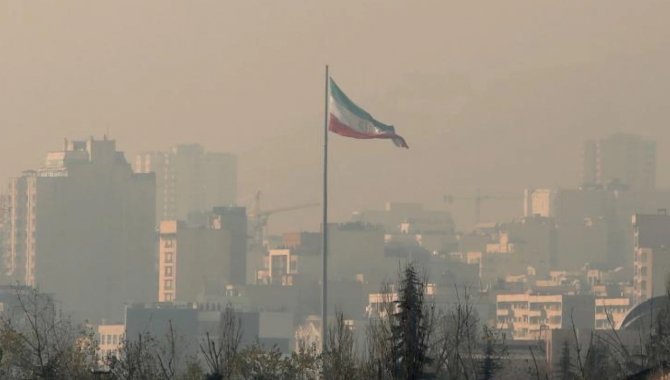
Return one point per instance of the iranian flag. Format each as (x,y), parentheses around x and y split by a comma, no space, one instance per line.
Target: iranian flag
(348,119)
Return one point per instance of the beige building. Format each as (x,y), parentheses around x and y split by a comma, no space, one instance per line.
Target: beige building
(525,316)
(82,228)
(189,180)
(610,312)
(110,340)
(539,202)
(199,260)
(651,252)
(19,249)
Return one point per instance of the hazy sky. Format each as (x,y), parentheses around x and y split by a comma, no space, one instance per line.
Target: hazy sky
(497,95)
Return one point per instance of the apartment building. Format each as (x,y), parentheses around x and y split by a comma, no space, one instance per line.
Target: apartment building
(196,260)
(610,312)
(525,316)
(82,227)
(651,251)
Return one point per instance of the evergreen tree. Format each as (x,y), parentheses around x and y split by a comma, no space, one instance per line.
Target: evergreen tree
(565,363)
(410,328)
(493,352)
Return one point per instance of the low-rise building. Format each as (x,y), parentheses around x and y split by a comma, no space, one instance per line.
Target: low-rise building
(110,338)
(610,312)
(525,316)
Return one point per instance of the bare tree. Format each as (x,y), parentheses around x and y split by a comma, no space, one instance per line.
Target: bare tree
(339,361)
(259,363)
(306,362)
(221,353)
(39,341)
(455,339)
(379,355)
(536,368)
(169,355)
(136,359)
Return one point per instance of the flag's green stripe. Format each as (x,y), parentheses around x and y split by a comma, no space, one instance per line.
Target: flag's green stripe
(342,99)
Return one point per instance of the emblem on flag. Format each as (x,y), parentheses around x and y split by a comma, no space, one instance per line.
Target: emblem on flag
(348,119)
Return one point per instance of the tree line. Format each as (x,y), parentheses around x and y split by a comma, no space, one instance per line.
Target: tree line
(410,338)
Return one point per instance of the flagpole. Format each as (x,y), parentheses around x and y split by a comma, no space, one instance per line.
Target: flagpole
(324,247)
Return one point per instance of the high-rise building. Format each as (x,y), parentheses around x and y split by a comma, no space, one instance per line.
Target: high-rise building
(197,260)
(651,242)
(82,228)
(620,160)
(190,180)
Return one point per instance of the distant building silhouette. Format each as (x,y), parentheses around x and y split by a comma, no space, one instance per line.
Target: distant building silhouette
(623,160)
(82,228)
(190,180)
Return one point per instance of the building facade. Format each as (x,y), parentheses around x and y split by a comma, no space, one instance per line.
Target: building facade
(82,228)
(196,260)
(620,160)
(539,202)
(190,180)
(525,316)
(110,339)
(651,251)
(610,312)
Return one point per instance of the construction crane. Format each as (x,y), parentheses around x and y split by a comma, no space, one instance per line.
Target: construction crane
(478,198)
(260,218)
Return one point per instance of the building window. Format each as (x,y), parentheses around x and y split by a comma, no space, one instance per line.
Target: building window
(168,284)
(168,243)
(168,257)
(168,270)
(167,296)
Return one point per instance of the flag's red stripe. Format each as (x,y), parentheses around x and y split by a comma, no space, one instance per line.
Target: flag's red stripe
(336,126)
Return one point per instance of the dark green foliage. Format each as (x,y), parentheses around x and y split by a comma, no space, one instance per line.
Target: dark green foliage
(565,367)
(494,351)
(410,328)
(598,362)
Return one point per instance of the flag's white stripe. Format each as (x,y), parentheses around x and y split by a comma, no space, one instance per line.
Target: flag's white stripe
(354,122)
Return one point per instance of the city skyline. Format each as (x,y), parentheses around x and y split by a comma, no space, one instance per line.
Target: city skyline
(179,198)
(476,107)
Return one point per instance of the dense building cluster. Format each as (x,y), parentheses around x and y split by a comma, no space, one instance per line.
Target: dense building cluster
(165,246)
